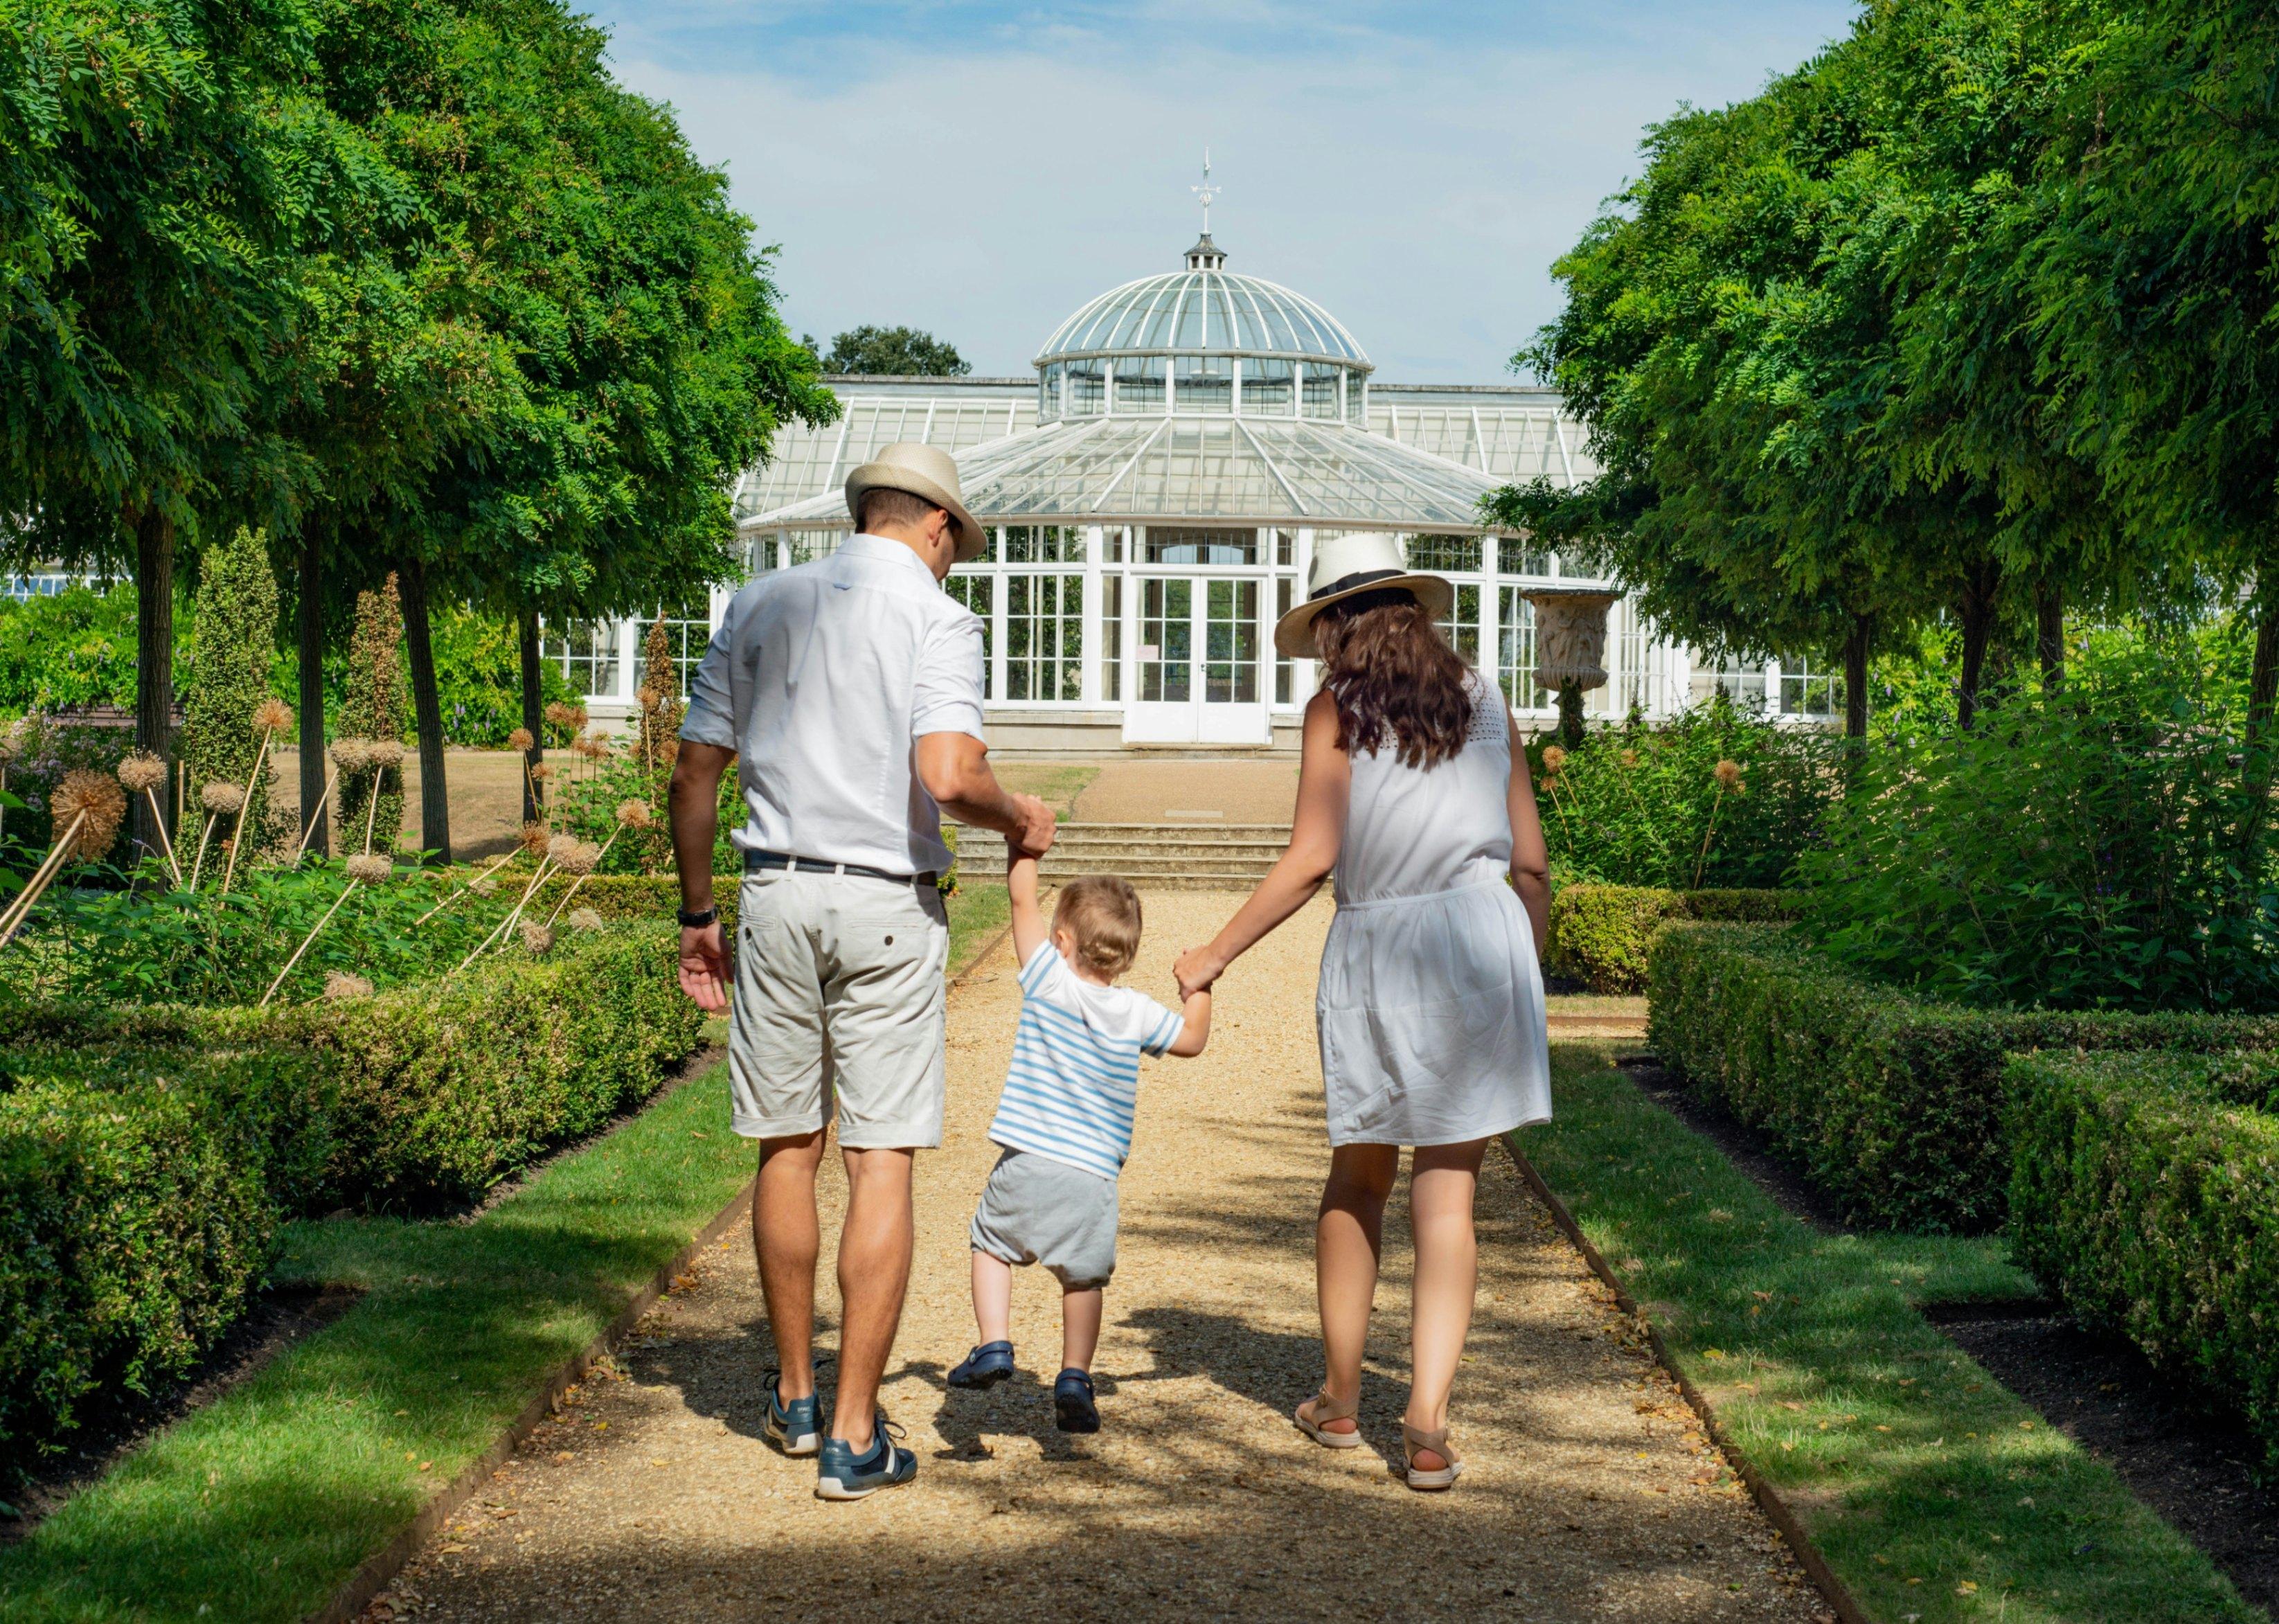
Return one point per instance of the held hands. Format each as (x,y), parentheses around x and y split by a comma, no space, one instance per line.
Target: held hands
(705,968)
(1196,969)
(1034,837)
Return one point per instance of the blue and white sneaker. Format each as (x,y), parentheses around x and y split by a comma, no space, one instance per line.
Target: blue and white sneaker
(791,1423)
(986,1365)
(1073,1408)
(842,1474)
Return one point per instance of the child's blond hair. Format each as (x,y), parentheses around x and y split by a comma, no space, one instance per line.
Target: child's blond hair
(1102,912)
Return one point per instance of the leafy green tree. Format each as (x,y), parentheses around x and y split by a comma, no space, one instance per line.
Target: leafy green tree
(891,352)
(373,708)
(230,675)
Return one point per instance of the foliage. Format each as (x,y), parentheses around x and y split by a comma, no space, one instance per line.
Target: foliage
(2078,849)
(230,674)
(72,648)
(50,750)
(478,677)
(1912,1471)
(1632,806)
(1892,1104)
(890,352)
(2145,1193)
(376,706)
(1600,934)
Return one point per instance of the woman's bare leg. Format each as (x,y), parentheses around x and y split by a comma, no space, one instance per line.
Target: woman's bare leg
(1441,1183)
(1348,1238)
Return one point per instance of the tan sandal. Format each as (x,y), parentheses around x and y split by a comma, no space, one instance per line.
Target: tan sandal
(1415,1438)
(1325,1409)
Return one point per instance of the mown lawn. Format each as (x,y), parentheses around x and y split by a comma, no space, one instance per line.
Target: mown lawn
(1933,1492)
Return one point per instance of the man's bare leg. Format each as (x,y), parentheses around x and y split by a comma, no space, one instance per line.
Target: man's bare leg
(787,1239)
(874,1270)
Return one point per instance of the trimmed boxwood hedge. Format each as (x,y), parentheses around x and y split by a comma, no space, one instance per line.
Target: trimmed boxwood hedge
(147,1154)
(1892,1104)
(2145,1190)
(1600,934)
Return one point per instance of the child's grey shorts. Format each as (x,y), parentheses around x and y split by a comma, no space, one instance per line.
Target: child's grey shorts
(1036,1210)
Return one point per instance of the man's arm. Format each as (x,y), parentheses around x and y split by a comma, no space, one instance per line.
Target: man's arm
(955,768)
(1028,927)
(696,811)
(1196,1032)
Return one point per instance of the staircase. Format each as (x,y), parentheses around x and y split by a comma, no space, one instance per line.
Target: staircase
(1154,856)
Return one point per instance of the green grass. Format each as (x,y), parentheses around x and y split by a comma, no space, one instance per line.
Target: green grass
(1056,783)
(1932,1490)
(261,1505)
(977,913)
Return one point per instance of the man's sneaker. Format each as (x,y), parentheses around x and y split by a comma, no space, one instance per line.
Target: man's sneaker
(791,1423)
(1073,1410)
(842,1474)
(986,1365)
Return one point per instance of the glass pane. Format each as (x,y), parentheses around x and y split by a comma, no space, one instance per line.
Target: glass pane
(1204,383)
(1111,633)
(689,631)
(586,651)
(760,553)
(1283,677)
(1321,390)
(1049,392)
(1166,641)
(1087,388)
(1230,643)
(1269,387)
(1742,681)
(1463,626)
(1113,543)
(1201,546)
(974,592)
(1518,556)
(1139,384)
(1445,554)
(806,546)
(1043,543)
(1515,656)
(1044,637)
(1357,401)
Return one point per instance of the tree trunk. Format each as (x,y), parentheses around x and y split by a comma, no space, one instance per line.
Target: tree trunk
(427,713)
(154,658)
(1855,677)
(2049,635)
(1979,584)
(1571,714)
(533,717)
(310,629)
(2262,690)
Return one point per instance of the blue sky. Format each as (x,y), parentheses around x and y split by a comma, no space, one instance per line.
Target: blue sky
(980,170)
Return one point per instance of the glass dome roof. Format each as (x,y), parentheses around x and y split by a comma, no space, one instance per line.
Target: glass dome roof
(1203,308)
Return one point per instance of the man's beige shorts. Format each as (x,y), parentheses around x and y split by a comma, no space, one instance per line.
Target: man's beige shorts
(839,991)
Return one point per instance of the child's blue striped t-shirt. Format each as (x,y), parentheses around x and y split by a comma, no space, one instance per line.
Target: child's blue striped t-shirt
(1075,1076)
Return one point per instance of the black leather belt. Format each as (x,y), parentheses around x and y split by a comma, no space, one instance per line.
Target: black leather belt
(813,865)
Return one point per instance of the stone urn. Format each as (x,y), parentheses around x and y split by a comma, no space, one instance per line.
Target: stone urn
(1570,648)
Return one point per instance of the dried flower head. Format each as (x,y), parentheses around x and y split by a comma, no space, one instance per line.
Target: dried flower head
(1554,757)
(1629,758)
(536,937)
(384,754)
(541,772)
(668,751)
(142,772)
(483,887)
(223,799)
(562,848)
(271,716)
(577,717)
(585,919)
(583,857)
(1729,774)
(646,697)
(520,739)
(634,814)
(560,712)
(340,986)
(97,796)
(534,837)
(370,868)
(351,755)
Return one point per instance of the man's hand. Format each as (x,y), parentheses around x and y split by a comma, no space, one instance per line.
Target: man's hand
(1038,826)
(705,968)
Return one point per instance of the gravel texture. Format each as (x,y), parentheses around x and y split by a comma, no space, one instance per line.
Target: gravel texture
(1201,792)
(1590,1493)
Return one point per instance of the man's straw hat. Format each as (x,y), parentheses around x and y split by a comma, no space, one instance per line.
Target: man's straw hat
(927,473)
(1344,565)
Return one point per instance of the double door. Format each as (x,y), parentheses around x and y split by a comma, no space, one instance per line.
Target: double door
(1196,656)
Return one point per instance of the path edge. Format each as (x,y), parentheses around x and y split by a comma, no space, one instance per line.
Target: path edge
(1777,1510)
(377,1571)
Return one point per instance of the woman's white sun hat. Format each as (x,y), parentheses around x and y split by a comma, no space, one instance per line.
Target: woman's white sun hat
(927,473)
(1362,561)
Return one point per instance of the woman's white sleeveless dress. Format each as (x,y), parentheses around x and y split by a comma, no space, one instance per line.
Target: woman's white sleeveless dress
(1431,1008)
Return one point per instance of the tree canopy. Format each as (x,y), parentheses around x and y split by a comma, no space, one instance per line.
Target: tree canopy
(891,352)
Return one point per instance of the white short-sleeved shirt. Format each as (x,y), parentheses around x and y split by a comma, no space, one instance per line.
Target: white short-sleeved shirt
(822,678)
(1074,1081)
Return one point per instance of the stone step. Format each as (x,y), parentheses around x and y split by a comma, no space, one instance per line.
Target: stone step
(1148,870)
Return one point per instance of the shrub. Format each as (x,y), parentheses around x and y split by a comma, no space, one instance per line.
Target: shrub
(230,655)
(2145,1191)
(74,649)
(1891,1102)
(1600,934)
(376,705)
(2079,850)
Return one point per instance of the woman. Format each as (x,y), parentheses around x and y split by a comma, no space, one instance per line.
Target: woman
(1414,794)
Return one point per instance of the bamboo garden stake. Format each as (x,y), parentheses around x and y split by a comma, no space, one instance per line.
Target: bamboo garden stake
(142,774)
(364,870)
(272,717)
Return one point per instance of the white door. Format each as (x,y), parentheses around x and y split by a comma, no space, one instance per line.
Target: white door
(1197,673)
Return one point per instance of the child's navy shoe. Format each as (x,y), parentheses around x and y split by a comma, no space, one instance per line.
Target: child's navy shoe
(791,1422)
(842,1474)
(1073,1410)
(986,1365)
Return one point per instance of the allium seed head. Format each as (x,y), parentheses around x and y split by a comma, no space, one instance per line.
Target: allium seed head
(541,772)
(271,716)
(142,772)
(562,848)
(1729,774)
(223,799)
(634,814)
(534,837)
(559,713)
(340,986)
(385,753)
(97,795)
(646,696)
(351,755)
(585,919)
(370,868)
(582,858)
(520,740)
(536,937)
(1554,757)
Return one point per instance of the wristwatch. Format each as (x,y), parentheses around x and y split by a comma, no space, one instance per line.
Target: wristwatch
(697,922)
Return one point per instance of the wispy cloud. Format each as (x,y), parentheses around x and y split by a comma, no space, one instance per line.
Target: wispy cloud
(981,170)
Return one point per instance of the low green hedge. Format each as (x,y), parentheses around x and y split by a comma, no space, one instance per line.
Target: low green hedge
(2145,1190)
(1892,1104)
(1600,934)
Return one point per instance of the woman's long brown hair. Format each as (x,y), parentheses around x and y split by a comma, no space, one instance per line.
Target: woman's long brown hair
(1390,672)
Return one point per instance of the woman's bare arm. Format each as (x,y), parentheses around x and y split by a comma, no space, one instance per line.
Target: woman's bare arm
(1531,859)
(1316,831)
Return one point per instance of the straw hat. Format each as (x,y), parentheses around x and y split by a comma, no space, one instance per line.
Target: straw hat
(1347,564)
(927,473)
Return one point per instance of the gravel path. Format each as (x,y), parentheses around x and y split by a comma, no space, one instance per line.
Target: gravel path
(1589,1494)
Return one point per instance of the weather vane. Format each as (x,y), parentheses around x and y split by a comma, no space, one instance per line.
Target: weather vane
(1206,191)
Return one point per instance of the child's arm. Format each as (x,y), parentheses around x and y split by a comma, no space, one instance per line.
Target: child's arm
(1196,1033)
(1029,929)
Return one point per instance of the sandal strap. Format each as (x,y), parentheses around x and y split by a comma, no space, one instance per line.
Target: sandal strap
(1328,1409)
(1415,1438)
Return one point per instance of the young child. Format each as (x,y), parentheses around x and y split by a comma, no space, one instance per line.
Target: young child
(1064,1122)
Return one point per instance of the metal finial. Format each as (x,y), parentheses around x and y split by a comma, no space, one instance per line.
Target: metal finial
(1206,191)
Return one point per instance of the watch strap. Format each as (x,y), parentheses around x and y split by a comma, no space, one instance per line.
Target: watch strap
(697,922)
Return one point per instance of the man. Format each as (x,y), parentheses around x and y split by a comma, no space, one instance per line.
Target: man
(851,690)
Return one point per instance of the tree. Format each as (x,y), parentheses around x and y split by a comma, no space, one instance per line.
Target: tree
(372,710)
(891,352)
(235,637)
